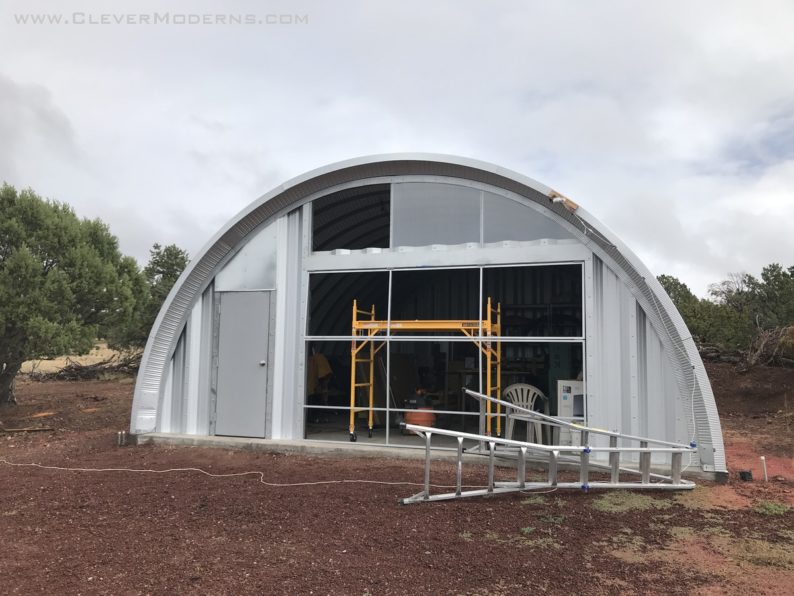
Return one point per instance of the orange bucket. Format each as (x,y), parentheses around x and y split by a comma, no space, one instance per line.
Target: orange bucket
(420,417)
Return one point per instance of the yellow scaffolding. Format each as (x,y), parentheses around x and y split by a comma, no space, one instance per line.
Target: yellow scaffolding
(368,330)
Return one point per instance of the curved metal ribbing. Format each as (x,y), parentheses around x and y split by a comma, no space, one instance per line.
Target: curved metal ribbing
(680,348)
(688,367)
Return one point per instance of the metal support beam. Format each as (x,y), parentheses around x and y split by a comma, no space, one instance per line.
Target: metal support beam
(522,467)
(553,455)
(427,464)
(491,454)
(614,461)
(645,463)
(676,468)
(459,468)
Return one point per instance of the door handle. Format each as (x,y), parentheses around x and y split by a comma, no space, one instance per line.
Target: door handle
(263,363)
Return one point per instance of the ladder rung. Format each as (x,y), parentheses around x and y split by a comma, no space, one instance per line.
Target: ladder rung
(363,384)
(364,360)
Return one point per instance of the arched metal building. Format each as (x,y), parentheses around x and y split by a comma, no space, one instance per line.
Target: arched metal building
(255,338)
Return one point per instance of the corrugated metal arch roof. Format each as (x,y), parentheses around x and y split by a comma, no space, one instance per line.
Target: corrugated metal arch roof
(690,371)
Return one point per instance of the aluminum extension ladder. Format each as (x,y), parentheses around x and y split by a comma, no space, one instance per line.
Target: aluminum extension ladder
(555,455)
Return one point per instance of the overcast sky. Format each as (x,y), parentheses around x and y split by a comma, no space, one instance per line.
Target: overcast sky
(673,123)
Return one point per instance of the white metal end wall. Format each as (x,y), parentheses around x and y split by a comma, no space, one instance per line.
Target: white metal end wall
(286,402)
(632,388)
(186,401)
(686,367)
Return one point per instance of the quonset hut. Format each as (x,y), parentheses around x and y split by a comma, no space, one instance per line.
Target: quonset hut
(442,273)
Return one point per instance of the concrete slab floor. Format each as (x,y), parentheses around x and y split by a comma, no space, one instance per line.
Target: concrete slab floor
(346,449)
(362,448)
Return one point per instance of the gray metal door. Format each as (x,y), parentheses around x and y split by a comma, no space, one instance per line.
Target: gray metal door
(243,340)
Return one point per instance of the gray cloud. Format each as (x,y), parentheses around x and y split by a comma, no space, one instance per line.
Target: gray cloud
(31,127)
(671,122)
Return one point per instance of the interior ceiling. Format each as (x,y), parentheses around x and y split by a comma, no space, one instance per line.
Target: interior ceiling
(352,219)
(448,294)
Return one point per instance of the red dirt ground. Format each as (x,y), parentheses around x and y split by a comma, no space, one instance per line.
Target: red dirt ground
(757,414)
(121,532)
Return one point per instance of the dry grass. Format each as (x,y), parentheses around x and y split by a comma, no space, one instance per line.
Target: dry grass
(99,353)
(712,497)
(621,501)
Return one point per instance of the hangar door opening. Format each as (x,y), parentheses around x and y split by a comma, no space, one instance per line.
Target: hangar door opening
(431,326)
(244,339)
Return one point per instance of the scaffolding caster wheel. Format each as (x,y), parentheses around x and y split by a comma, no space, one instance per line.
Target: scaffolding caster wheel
(370,433)
(353,437)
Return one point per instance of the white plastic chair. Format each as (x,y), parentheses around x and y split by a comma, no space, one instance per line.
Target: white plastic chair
(523,396)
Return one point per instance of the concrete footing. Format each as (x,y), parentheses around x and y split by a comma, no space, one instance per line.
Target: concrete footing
(352,450)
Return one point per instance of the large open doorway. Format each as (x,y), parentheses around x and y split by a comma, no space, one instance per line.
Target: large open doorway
(424,346)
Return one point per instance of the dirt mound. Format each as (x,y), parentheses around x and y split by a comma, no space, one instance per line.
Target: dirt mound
(757,414)
(762,391)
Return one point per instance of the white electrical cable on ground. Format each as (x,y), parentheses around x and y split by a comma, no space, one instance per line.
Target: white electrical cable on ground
(537,491)
(230,475)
